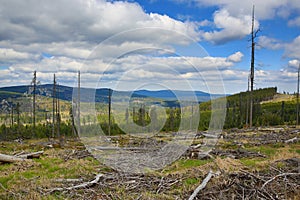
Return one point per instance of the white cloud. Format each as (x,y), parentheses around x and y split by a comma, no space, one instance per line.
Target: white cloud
(266,9)
(294,22)
(80,20)
(294,63)
(69,30)
(269,43)
(236,57)
(292,50)
(232,28)
(8,55)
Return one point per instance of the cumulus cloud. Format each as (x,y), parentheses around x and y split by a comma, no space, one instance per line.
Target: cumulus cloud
(294,63)
(8,56)
(80,20)
(231,27)
(294,22)
(266,9)
(133,45)
(269,43)
(236,57)
(233,17)
(292,50)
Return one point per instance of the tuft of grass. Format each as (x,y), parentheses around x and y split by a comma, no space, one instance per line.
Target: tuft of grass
(268,150)
(4,181)
(185,164)
(252,162)
(190,181)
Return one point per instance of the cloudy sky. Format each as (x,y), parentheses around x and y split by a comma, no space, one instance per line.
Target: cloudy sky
(151,44)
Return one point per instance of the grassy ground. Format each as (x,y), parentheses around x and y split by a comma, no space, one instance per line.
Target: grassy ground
(35,179)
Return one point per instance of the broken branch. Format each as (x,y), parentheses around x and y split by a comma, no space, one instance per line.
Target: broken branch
(83,185)
(279,175)
(202,185)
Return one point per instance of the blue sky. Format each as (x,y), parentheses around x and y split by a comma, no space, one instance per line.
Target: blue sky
(139,44)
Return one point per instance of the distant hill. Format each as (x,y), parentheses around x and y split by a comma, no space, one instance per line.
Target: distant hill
(101,95)
(169,95)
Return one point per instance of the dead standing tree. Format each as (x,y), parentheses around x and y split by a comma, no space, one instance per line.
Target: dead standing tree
(297,117)
(56,117)
(53,106)
(253,36)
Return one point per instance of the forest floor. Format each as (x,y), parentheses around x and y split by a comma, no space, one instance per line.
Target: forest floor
(262,163)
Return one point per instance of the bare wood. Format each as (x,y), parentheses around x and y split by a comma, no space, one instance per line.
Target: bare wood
(69,180)
(124,148)
(277,176)
(80,186)
(202,185)
(31,155)
(293,140)
(10,159)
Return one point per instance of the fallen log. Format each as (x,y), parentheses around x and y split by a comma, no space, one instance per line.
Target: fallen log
(10,159)
(19,157)
(31,155)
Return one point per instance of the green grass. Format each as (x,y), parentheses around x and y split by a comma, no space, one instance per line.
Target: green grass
(268,150)
(184,164)
(4,181)
(252,162)
(191,181)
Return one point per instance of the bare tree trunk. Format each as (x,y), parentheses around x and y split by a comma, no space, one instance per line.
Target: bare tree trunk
(18,116)
(61,137)
(252,69)
(53,106)
(109,112)
(247,106)
(34,100)
(78,105)
(297,117)
(12,114)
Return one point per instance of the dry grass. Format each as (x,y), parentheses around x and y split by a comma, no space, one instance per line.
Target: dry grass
(32,179)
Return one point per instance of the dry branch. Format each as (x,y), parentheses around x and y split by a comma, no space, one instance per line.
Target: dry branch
(68,180)
(83,185)
(293,140)
(277,176)
(202,185)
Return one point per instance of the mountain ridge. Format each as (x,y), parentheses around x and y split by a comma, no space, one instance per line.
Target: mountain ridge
(101,94)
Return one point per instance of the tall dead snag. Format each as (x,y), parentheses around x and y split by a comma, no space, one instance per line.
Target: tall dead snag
(18,116)
(297,117)
(109,112)
(78,105)
(34,100)
(253,36)
(53,106)
(59,135)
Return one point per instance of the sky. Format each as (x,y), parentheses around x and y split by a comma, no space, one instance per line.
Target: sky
(151,44)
